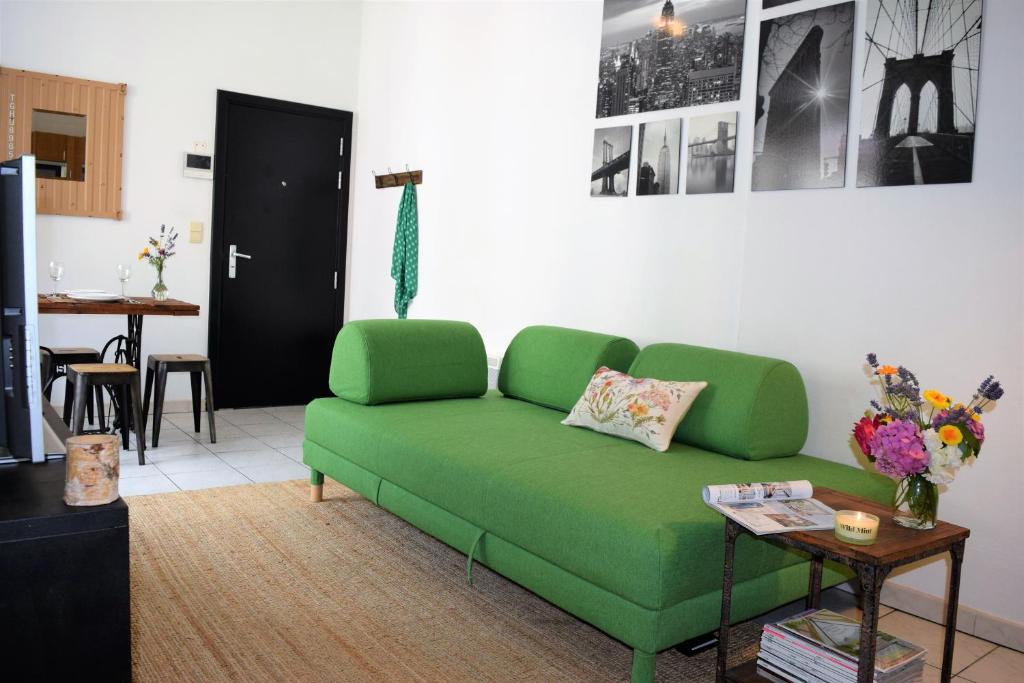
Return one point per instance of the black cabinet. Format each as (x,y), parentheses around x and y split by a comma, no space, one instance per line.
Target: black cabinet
(64,581)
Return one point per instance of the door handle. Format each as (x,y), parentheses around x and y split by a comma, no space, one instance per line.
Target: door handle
(234,254)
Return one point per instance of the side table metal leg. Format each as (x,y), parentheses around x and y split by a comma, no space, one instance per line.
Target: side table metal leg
(957,555)
(814,583)
(731,532)
(871,579)
(134,346)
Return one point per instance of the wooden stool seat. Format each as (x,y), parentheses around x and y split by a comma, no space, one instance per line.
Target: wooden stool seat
(86,376)
(198,367)
(102,368)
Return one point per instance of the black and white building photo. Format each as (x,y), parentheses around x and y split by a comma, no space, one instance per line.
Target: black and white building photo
(803,97)
(658,170)
(711,153)
(920,93)
(609,175)
(662,54)
(770,4)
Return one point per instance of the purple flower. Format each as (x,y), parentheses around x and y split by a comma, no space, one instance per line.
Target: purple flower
(872,360)
(899,450)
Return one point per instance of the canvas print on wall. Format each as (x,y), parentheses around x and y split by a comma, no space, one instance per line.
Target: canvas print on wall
(711,153)
(609,175)
(663,55)
(920,94)
(803,96)
(658,172)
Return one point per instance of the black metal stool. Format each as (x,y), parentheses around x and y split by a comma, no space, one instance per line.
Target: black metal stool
(61,358)
(198,367)
(86,376)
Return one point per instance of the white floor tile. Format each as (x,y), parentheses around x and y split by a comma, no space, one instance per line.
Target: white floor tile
(283,472)
(288,413)
(192,463)
(268,428)
(130,468)
(140,486)
(283,440)
(224,431)
(264,456)
(248,416)
(243,443)
(191,481)
(175,450)
(293,452)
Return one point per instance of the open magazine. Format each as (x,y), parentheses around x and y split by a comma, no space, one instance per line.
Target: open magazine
(771,507)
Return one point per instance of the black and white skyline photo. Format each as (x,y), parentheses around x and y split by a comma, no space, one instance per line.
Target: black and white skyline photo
(666,54)
(771,4)
(711,153)
(609,175)
(803,96)
(658,169)
(920,92)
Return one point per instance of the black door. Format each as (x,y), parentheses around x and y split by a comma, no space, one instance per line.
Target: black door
(280,206)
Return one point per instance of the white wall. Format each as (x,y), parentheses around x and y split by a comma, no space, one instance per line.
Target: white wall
(174,57)
(495,101)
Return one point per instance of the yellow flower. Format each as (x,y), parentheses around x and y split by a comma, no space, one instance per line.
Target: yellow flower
(950,435)
(937,399)
(886,370)
(639,409)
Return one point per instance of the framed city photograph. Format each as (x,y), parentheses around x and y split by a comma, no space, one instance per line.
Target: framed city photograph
(711,153)
(662,54)
(919,99)
(803,99)
(609,176)
(658,167)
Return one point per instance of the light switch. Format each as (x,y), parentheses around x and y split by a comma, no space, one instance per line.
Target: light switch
(195,232)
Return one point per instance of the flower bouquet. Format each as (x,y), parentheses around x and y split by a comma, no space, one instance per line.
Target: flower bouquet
(163,249)
(920,438)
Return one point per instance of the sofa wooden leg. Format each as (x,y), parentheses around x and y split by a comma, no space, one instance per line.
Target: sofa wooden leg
(316,486)
(643,667)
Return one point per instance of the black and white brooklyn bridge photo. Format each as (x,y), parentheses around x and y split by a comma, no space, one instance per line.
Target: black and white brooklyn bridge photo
(920,92)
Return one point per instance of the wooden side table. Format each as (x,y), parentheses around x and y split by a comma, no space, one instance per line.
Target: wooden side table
(896,546)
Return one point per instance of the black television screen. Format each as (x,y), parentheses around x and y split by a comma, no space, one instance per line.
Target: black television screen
(21,415)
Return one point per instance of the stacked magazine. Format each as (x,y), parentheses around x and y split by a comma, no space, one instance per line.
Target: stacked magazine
(771,507)
(822,646)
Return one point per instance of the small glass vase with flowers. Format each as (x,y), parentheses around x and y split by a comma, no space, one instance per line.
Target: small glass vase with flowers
(921,439)
(162,249)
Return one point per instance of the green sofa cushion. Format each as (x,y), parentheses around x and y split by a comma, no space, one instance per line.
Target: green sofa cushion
(386,361)
(612,512)
(753,408)
(550,366)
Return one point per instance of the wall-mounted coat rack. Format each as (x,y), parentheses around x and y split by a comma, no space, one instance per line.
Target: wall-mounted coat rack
(390,179)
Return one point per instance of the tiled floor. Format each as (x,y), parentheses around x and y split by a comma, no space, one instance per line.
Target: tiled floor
(974,660)
(253,445)
(265,444)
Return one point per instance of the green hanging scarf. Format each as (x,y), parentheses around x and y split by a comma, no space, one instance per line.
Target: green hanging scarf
(405,257)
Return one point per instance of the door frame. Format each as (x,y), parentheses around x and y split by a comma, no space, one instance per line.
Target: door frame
(218,249)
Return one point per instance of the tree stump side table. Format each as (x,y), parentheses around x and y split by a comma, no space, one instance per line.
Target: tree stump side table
(896,546)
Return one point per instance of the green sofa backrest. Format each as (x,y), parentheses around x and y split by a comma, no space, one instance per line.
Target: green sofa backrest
(754,407)
(550,366)
(387,361)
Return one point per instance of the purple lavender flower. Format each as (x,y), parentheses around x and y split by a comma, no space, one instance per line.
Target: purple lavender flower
(872,360)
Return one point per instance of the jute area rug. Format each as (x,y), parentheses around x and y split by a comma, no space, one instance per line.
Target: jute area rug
(255,583)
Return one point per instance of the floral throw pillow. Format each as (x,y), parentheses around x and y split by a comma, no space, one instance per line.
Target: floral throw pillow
(644,410)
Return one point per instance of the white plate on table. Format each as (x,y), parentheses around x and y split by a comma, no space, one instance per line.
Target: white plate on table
(93,295)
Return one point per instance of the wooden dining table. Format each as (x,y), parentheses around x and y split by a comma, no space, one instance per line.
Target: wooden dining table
(134,308)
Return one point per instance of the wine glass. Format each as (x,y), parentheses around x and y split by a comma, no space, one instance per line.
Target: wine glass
(56,274)
(124,271)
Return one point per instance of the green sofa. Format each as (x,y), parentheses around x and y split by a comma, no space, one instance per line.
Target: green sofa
(605,528)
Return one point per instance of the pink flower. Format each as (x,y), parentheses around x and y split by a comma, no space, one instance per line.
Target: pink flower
(899,450)
(977,429)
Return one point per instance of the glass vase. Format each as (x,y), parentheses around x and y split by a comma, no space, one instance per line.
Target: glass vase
(916,503)
(159,291)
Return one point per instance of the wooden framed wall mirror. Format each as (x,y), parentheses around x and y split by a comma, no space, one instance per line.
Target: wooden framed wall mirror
(75,129)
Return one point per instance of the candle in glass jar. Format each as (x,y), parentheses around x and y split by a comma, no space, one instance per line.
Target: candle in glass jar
(859,528)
